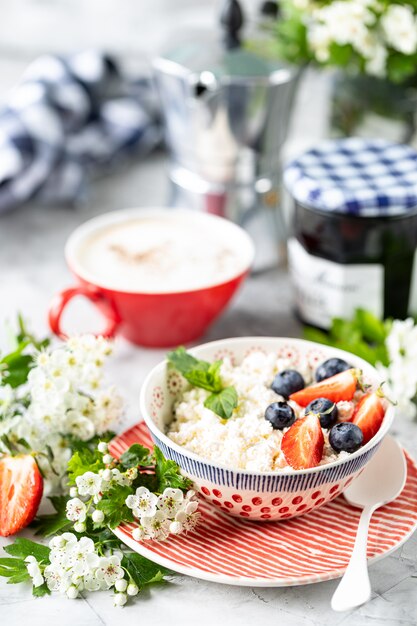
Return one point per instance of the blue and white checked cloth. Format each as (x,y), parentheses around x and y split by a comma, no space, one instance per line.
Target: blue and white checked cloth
(66,118)
(369,177)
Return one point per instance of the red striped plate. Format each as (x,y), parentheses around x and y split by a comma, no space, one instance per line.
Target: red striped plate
(306,549)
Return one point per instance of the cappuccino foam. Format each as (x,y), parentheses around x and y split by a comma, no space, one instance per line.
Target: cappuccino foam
(154,255)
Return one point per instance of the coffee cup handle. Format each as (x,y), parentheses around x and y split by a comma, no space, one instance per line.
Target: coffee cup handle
(105,305)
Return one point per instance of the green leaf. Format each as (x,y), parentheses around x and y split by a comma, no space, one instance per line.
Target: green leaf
(14,569)
(114,507)
(84,460)
(168,473)
(313,334)
(373,329)
(77,444)
(40,591)
(136,455)
(25,547)
(222,403)
(143,571)
(17,370)
(199,373)
(53,523)
(363,335)
(183,361)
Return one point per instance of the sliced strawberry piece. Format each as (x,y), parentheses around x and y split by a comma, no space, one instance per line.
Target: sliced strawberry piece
(302,444)
(339,387)
(369,414)
(21,487)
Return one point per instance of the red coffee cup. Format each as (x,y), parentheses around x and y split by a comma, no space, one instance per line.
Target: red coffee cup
(153,318)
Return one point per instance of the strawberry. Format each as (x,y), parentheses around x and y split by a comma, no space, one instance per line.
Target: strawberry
(369,414)
(302,444)
(339,387)
(21,487)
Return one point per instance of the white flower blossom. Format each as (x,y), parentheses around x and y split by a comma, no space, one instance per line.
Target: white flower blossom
(57,579)
(34,571)
(109,570)
(188,515)
(82,556)
(89,484)
(399,25)
(170,501)
(144,503)
(66,398)
(156,527)
(76,511)
(400,375)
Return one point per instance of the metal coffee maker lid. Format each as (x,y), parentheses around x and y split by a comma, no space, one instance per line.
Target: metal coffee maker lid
(225,107)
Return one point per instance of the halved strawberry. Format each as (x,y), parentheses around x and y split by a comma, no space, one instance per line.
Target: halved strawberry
(21,487)
(339,387)
(302,444)
(369,414)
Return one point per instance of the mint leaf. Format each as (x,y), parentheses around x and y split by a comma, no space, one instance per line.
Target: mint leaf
(206,375)
(114,506)
(183,361)
(199,373)
(222,403)
(136,455)
(143,571)
(84,460)
(53,523)
(168,473)
(25,547)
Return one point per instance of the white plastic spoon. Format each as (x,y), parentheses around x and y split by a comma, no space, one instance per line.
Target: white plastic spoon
(381,481)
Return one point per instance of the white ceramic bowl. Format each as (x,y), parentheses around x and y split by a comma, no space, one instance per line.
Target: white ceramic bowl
(257,495)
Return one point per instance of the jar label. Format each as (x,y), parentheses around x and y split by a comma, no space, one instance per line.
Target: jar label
(325,289)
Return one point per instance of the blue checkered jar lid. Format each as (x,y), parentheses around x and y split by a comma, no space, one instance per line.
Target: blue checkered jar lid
(366,177)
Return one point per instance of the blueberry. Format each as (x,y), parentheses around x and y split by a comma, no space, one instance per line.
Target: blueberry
(331,367)
(287,382)
(345,436)
(280,414)
(326,411)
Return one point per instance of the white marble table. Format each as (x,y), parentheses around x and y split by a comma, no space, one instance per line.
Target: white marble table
(32,268)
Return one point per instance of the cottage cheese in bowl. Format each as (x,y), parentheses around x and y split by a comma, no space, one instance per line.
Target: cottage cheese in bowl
(247,440)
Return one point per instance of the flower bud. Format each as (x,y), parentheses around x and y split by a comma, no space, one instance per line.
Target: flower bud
(120,599)
(132,589)
(73,492)
(137,534)
(175,528)
(102,447)
(107,459)
(121,584)
(79,527)
(107,475)
(98,516)
(72,592)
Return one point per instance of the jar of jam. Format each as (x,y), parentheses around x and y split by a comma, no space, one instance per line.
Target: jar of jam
(354,231)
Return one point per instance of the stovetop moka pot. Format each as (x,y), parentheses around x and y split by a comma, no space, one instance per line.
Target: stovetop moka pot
(226,111)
